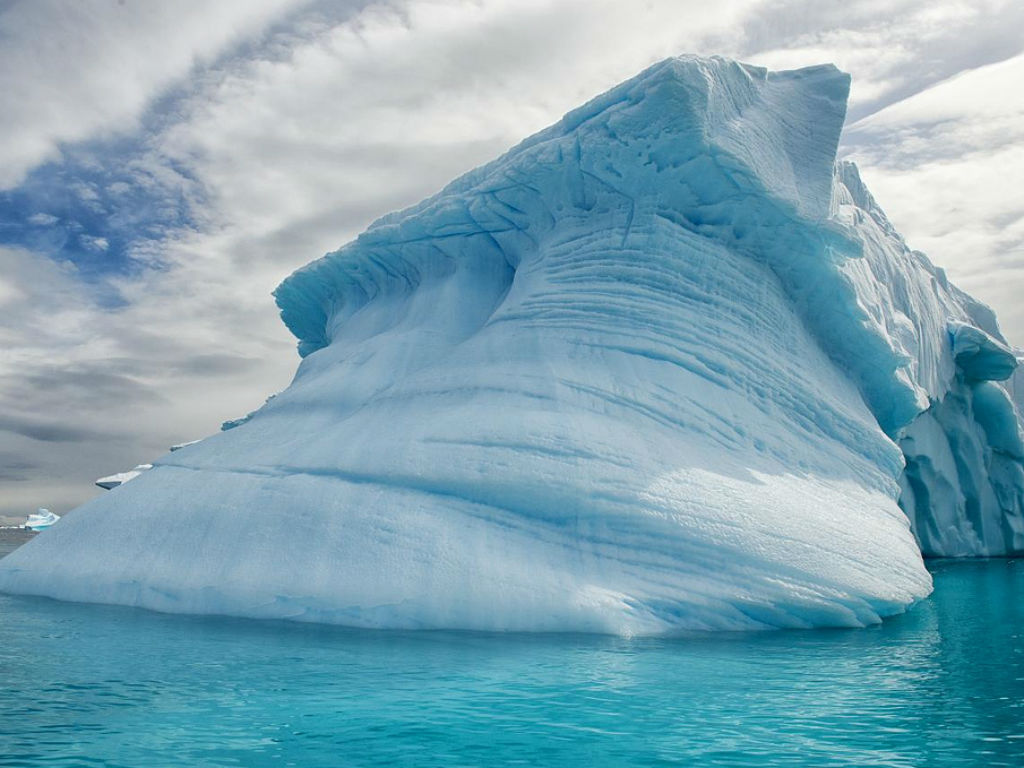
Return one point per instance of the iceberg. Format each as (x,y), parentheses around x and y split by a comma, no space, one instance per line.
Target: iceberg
(40,520)
(663,366)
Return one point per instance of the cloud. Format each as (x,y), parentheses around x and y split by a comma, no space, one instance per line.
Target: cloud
(63,73)
(944,163)
(48,431)
(893,48)
(14,468)
(94,243)
(42,220)
(86,391)
(156,206)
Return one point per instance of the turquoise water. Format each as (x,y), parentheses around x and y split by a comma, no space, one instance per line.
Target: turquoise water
(100,686)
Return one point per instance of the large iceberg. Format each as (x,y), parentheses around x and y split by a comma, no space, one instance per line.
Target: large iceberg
(665,365)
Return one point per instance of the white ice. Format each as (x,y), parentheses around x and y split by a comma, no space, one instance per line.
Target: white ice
(120,478)
(657,368)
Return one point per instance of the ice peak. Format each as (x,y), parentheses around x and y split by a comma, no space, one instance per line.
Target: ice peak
(684,140)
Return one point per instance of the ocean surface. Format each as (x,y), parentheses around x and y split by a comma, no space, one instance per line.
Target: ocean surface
(101,686)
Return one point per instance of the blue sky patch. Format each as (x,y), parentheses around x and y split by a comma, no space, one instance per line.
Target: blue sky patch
(99,207)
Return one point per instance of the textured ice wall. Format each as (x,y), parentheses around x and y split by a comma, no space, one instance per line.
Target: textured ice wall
(963,485)
(645,372)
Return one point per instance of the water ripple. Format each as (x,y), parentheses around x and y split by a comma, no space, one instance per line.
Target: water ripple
(95,686)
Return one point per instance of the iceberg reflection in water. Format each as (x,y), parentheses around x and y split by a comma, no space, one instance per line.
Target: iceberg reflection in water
(940,686)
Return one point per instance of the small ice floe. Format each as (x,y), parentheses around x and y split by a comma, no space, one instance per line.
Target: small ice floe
(41,519)
(112,481)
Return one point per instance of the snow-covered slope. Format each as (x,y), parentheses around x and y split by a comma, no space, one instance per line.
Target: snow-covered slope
(656,368)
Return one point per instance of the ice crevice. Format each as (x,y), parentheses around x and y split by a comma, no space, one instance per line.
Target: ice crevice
(663,366)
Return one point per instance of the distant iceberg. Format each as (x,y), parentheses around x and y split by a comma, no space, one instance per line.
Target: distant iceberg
(663,366)
(40,520)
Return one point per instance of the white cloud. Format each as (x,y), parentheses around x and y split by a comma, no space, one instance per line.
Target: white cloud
(98,244)
(42,219)
(944,164)
(71,69)
(893,48)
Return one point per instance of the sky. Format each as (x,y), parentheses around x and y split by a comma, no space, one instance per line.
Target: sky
(163,165)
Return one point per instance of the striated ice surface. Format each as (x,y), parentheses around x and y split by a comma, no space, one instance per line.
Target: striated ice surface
(664,365)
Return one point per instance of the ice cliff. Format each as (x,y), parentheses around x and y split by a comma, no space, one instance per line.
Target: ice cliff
(664,365)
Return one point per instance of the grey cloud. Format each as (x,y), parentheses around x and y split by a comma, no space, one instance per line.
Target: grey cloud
(74,386)
(1007,219)
(14,467)
(214,365)
(49,431)
(897,149)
